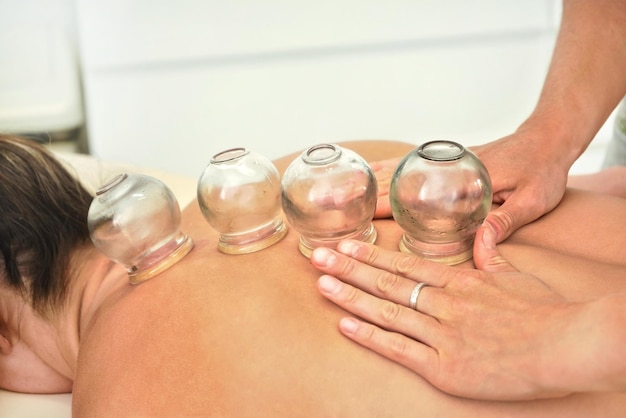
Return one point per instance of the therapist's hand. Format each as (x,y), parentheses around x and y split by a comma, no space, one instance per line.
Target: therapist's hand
(487,334)
(527,179)
(383,170)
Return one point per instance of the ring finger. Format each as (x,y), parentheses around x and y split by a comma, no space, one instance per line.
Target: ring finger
(386,314)
(375,281)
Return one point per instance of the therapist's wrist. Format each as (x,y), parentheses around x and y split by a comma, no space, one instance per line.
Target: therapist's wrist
(587,353)
(555,143)
(606,338)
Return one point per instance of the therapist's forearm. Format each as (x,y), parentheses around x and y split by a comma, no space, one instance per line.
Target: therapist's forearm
(586,78)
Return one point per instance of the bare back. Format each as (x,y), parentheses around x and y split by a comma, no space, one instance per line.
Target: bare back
(249,335)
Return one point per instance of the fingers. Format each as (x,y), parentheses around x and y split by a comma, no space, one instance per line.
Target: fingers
(383,206)
(388,165)
(412,354)
(388,275)
(378,271)
(389,315)
(394,331)
(374,281)
(486,255)
(383,170)
(419,331)
(509,217)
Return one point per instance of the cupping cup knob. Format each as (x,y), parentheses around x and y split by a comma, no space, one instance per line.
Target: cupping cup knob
(440,194)
(329,193)
(135,221)
(239,195)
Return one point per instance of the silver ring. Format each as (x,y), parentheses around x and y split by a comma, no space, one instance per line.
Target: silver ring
(415,294)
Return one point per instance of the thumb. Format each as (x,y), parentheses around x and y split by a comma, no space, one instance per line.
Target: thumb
(502,223)
(486,254)
(513,214)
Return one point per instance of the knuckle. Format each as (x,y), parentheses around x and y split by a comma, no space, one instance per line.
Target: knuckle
(457,277)
(399,347)
(497,262)
(463,279)
(386,282)
(506,219)
(350,295)
(345,267)
(369,254)
(368,335)
(405,264)
(389,313)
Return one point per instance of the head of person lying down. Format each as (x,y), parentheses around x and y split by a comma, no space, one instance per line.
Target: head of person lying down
(43,211)
(224,335)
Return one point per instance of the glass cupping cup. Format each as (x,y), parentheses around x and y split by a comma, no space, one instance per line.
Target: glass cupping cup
(329,193)
(440,194)
(135,220)
(239,195)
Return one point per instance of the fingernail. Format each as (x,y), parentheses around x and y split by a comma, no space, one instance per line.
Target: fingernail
(323,257)
(328,284)
(348,325)
(489,237)
(349,248)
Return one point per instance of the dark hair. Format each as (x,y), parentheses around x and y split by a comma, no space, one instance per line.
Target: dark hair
(43,218)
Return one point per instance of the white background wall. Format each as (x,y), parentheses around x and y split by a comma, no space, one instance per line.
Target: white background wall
(170,83)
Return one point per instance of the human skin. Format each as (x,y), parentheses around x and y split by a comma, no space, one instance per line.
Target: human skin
(611,180)
(249,335)
(541,331)
(585,82)
(473,311)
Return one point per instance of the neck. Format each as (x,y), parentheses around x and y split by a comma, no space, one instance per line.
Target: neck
(96,278)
